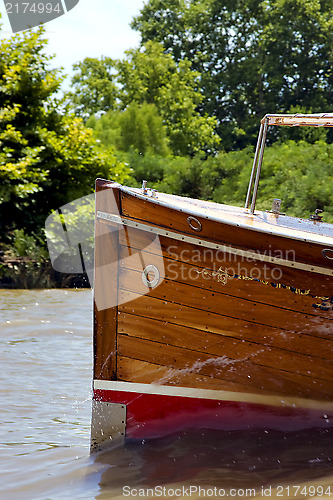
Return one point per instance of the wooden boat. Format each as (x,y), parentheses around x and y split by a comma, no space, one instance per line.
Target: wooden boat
(210,315)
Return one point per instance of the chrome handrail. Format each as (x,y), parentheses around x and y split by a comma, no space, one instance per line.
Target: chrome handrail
(311,120)
(256,168)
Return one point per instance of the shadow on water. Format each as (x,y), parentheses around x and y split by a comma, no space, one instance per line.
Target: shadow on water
(233,459)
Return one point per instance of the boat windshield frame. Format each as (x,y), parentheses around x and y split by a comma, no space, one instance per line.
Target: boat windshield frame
(289,120)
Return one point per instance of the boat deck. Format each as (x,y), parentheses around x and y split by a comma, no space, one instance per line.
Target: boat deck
(265,222)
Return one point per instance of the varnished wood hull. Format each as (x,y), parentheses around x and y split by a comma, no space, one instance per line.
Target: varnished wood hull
(239,311)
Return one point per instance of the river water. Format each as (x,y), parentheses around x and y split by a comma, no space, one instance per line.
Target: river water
(46,379)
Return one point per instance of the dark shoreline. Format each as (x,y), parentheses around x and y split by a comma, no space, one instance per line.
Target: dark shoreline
(23,273)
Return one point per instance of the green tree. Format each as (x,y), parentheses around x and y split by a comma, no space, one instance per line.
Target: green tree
(149,76)
(94,87)
(46,159)
(138,127)
(253,56)
(298,173)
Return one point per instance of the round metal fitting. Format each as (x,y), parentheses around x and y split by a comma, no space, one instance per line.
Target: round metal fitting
(148,270)
(194,223)
(328,253)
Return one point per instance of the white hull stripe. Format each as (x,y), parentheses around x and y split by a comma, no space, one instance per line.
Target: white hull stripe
(188,392)
(215,246)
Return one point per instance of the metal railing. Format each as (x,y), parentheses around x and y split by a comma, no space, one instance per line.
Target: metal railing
(297,120)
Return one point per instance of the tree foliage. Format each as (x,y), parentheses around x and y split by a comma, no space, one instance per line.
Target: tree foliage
(203,64)
(46,158)
(149,76)
(138,127)
(253,56)
(94,87)
(298,173)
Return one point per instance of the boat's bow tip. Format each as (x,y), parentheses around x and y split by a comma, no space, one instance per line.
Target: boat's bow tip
(104,183)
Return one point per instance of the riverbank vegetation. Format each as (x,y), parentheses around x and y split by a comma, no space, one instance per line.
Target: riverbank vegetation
(182,111)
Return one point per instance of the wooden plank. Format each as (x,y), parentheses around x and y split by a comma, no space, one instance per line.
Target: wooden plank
(150,212)
(289,360)
(215,279)
(105,288)
(134,370)
(237,371)
(233,307)
(108,196)
(176,315)
(198,256)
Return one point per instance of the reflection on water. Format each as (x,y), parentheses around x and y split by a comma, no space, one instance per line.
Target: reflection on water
(46,372)
(232,461)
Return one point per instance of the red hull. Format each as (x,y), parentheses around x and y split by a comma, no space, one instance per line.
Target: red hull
(157,415)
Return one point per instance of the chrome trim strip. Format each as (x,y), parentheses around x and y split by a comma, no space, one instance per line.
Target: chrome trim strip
(316,238)
(215,246)
(188,392)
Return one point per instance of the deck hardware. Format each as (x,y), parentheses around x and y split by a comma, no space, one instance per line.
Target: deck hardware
(315,120)
(108,423)
(276,205)
(144,187)
(209,244)
(257,164)
(148,192)
(316,215)
(194,223)
(328,253)
(150,283)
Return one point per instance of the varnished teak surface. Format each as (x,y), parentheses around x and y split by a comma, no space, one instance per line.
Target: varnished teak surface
(243,238)
(195,330)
